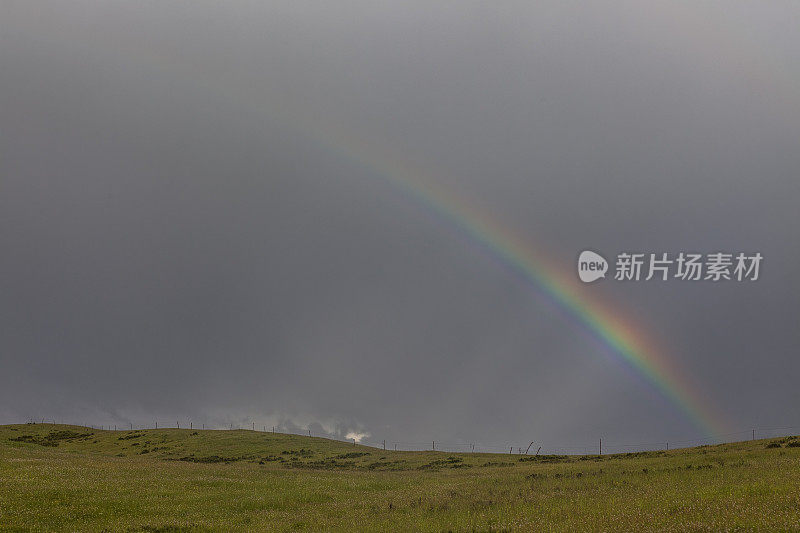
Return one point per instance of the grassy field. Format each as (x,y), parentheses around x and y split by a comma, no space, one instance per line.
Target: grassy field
(55,477)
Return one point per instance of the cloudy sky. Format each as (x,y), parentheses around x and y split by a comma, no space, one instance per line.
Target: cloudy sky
(201,220)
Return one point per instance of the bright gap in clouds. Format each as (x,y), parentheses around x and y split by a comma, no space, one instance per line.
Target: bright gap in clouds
(356,436)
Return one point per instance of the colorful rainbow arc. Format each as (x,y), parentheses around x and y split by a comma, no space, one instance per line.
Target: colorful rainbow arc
(624,338)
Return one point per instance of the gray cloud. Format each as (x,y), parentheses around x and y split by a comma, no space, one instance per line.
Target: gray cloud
(181,243)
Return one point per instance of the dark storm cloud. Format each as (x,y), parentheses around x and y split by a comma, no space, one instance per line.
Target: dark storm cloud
(180,243)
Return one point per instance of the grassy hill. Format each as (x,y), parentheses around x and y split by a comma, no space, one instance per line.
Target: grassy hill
(56,477)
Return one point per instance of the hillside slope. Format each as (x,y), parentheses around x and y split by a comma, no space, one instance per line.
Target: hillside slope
(55,477)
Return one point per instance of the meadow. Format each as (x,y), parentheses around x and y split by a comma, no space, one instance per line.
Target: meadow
(70,478)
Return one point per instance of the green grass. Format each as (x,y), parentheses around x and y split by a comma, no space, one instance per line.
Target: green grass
(55,477)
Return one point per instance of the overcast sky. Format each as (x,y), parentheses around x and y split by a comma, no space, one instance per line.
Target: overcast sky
(187,236)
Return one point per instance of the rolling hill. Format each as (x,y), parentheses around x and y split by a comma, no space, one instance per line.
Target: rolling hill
(58,477)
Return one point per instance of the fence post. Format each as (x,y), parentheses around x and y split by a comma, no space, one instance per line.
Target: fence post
(601,446)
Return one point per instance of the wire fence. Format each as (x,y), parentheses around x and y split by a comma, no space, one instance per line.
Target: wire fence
(538,447)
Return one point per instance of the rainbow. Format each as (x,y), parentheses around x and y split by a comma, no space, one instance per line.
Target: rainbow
(624,338)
